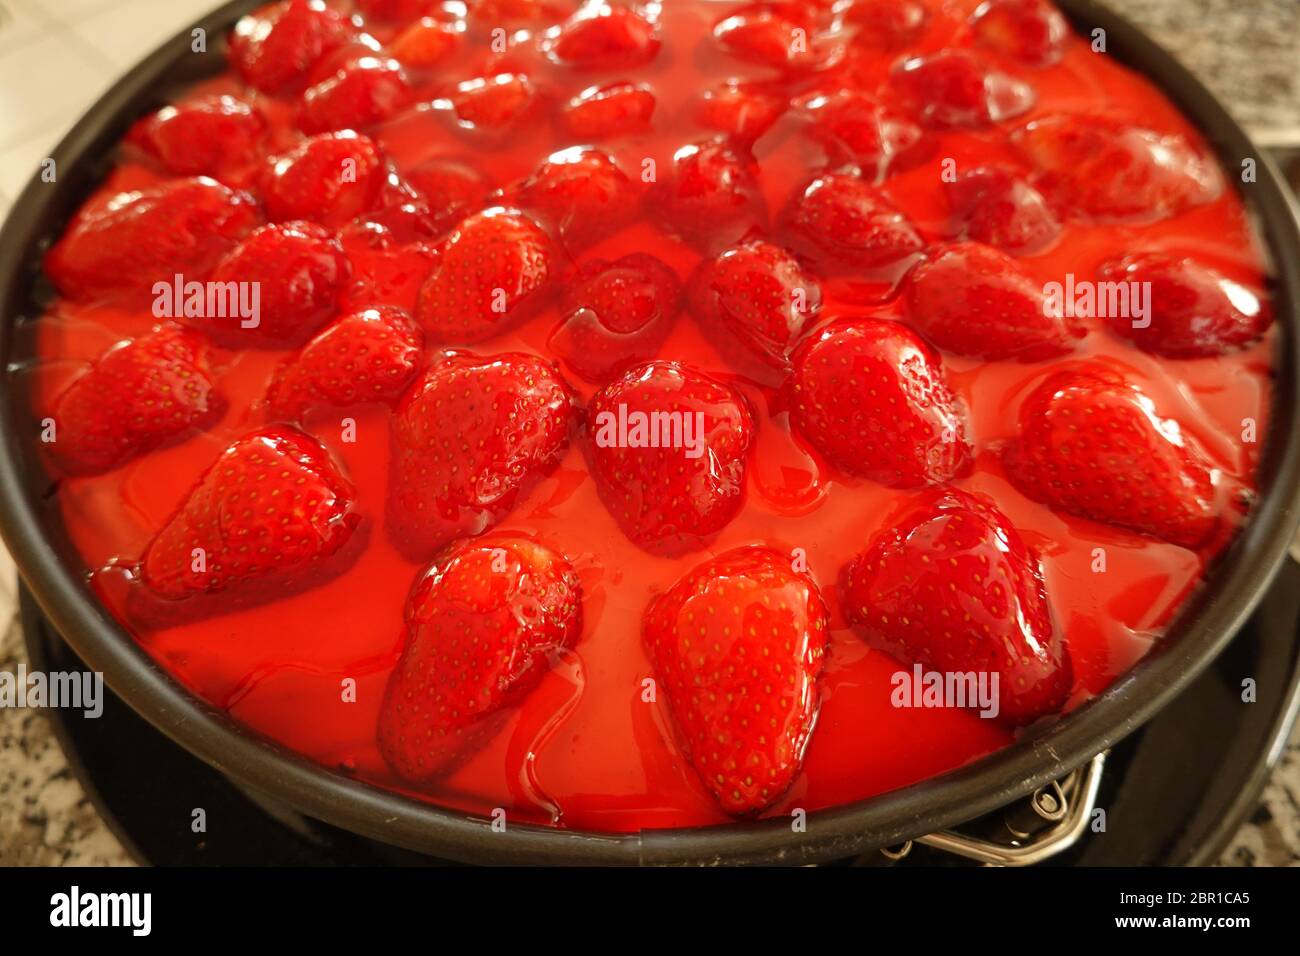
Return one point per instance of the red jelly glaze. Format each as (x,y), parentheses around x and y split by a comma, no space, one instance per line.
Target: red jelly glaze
(583,750)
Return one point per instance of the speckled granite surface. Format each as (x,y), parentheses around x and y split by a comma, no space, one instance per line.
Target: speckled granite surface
(1247,51)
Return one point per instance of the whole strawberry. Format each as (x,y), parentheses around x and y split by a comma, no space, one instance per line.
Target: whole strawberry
(580,193)
(993,205)
(954,89)
(496,270)
(136,239)
(972,299)
(738,645)
(1027,32)
(264,519)
(604,37)
(872,397)
(483,626)
(609,110)
(1093,445)
(273,47)
(839,221)
(1194,312)
(138,395)
(669,449)
(711,196)
(331,179)
(366,356)
(298,270)
(952,587)
(207,135)
(760,294)
(616,315)
(362,93)
(469,440)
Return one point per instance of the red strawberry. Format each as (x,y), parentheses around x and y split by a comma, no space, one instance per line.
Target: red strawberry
(136,239)
(953,89)
(1093,445)
(841,221)
(265,518)
(760,294)
(617,314)
(208,135)
(274,46)
(872,397)
(494,105)
(743,111)
(1194,311)
(496,270)
(669,447)
(483,626)
(138,395)
(331,178)
(580,193)
(519,12)
(778,35)
(711,197)
(974,300)
(954,588)
(996,206)
(854,128)
(384,271)
(362,93)
(886,24)
(470,439)
(614,109)
(1029,32)
(366,356)
(738,645)
(603,37)
(425,43)
(298,269)
(450,189)
(1103,169)
(394,11)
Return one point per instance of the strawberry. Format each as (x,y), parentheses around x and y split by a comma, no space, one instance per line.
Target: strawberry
(760,294)
(994,205)
(138,395)
(743,111)
(483,626)
(520,12)
(1028,32)
(264,518)
(449,189)
(273,47)
(1103,169)
(298,269)
(839,221)
(886,24)
(496,270)
(854,128)
(425,43)
(671,489)
(580,193)
(872,397)
(394,11)
(1092,445)
(738,645)
(470,439)
(136,239)
(366,356)
(954,588)
(384,271)
(711,197)
(494,105)
(616,315)
(203,135)
(974,300)
(781,36)
(362,93)
(331,178)
(603,37)
(614,109)
(1194,311)
(953,89)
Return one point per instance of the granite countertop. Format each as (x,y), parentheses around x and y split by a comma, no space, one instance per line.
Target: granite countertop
(1248,53)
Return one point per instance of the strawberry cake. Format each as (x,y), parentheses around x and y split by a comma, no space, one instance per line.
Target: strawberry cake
(597,413)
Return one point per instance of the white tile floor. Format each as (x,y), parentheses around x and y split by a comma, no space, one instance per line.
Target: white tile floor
(57,57)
